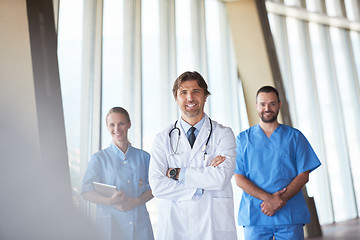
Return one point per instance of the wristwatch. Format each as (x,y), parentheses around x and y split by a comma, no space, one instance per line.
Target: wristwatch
(173,173)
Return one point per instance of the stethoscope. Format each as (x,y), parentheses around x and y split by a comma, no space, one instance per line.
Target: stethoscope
(174,152)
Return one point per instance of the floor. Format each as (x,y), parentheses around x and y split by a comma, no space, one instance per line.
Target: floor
(347,230)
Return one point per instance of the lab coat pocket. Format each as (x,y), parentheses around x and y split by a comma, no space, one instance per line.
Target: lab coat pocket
(177,160)
(223,209)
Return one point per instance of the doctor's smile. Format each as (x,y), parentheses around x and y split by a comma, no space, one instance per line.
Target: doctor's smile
(191,106)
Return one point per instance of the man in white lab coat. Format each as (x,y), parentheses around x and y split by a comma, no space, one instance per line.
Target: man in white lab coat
(191,165)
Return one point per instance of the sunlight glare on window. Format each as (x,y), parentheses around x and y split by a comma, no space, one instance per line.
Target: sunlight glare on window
(112,65)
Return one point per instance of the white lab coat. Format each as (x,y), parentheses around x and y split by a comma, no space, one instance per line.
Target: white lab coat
(180,215)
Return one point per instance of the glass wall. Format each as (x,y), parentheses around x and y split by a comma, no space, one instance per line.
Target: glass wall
(129,52)
(70,58)
(320,73)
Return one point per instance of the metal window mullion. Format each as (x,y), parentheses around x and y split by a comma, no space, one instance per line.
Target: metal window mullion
(97,80)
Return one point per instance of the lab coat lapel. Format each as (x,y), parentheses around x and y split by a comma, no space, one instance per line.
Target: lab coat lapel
(184,142)
(201,138)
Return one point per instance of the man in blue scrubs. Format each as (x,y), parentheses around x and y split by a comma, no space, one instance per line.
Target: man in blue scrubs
(273,163)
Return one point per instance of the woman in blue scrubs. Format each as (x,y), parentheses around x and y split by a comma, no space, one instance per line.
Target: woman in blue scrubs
(124,214)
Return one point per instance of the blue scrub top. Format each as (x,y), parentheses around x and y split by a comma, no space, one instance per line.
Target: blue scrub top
(272,163)
(129,173)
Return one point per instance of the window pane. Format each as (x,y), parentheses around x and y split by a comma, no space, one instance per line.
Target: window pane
(355,152)
(112,65)
(69,55)
(306,106)
(152,101)
(322,64)
(153,104)
(224,100)
(334,141)
(184,50)
(350,111)
(218,98)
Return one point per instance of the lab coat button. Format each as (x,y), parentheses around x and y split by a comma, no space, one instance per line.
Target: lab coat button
(128,181)
(124,162)
(130,223)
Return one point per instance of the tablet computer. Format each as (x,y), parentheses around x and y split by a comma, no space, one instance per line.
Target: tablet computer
(104,189)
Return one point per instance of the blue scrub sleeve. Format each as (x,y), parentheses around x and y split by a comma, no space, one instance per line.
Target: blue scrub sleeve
(239,168)
(146,186)
(92,174)
(306,159)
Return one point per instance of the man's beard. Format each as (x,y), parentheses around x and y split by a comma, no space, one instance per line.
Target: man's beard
(269,120)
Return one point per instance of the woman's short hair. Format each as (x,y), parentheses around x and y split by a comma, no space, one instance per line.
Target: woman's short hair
(119,110)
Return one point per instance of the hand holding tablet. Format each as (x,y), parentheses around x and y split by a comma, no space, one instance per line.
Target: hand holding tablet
(105,189)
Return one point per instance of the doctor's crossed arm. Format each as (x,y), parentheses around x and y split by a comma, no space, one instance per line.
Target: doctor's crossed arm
(161,185)
(210,177)
(214,163)
(183,185)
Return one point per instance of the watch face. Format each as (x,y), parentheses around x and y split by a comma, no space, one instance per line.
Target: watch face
(173,172)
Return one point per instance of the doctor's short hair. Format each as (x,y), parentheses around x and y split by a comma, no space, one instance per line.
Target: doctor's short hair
(268,89)
(118,110)
(186,76)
